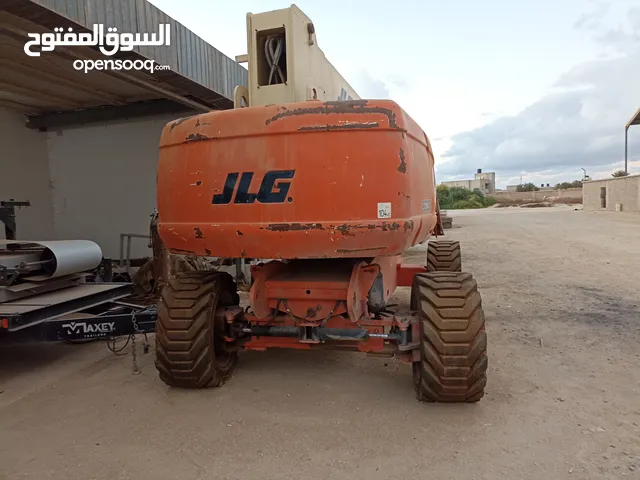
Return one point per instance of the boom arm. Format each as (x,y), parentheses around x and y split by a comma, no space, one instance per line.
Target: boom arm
(285,63)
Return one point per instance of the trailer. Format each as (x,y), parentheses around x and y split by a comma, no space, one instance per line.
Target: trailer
(49,291)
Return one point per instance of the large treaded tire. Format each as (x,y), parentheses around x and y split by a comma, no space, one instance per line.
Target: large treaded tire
(444,256)
(190,351)
(453,348)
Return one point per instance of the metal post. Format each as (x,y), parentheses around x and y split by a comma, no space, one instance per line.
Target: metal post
(626,148)
(8,217)
(121,261)
(9,223)
(240,264)
(128,260)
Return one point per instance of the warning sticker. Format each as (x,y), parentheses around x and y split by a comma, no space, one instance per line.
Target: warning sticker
(426,206)
(384,210)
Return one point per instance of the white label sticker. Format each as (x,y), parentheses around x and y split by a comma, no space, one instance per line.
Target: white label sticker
(426,206)
(384,210)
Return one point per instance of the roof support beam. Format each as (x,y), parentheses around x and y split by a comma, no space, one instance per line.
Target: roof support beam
(50,77)
(37,95)
(14,105)
(635,120)
(104,114)
(626,149)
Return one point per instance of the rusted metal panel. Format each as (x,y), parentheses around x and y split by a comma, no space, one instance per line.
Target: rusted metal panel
(405,273)
(296,191)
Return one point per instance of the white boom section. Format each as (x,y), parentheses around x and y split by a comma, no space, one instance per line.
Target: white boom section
(286,64)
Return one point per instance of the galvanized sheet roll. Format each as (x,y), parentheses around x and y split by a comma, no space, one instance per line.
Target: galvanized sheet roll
(64,257)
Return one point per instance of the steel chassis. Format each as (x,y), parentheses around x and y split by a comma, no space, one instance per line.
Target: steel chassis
(325,309)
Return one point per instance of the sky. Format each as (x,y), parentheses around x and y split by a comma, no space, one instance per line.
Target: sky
(537,89)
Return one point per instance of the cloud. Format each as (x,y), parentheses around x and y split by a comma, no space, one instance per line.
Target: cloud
(592,20)
(617,38)
(399,81)
(370,87)
(620,39)
(579,123)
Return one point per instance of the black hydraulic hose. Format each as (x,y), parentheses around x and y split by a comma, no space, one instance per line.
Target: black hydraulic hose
(274,46)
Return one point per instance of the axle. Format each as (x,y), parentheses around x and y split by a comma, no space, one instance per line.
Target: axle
(392,335)
(321,333)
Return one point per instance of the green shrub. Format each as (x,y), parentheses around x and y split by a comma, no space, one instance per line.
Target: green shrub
(457,198)
(565,185)
(527,187)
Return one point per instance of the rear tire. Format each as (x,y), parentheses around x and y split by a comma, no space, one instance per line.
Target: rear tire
(444,256)
(453,340)
(190,350)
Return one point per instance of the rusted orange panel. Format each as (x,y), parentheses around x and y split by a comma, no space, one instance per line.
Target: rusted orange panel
(262,343)
(310,309)
(375,326)
(388,267)
(305,180)
(275,290)
(405,273)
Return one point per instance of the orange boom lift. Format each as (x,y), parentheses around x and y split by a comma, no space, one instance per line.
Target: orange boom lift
(328,192)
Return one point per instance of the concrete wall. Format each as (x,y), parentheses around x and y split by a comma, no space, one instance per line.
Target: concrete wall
(622,190)
(539,196)
(92,182)
(458,183)
(514,188)
(103,181)
(24,175)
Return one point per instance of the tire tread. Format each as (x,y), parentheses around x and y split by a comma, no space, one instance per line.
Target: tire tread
(444,256)
(453,348)
(185,346)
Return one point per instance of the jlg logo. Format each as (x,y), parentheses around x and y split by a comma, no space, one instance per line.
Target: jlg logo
(269,192)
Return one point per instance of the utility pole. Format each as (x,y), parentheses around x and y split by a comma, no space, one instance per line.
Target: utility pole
(585,174)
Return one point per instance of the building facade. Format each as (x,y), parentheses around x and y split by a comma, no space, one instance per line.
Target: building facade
(83,149)
(483,181)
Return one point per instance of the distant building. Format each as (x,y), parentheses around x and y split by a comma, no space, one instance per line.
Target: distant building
(485,182)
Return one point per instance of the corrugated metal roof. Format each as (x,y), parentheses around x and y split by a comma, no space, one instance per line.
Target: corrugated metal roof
(188,55)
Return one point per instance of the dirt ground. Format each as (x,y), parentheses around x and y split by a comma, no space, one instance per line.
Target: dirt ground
(560,292)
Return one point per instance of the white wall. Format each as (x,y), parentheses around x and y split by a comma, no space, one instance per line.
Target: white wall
(104,181)
(24,175)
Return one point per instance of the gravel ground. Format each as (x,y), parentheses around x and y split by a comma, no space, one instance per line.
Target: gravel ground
(560,291)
